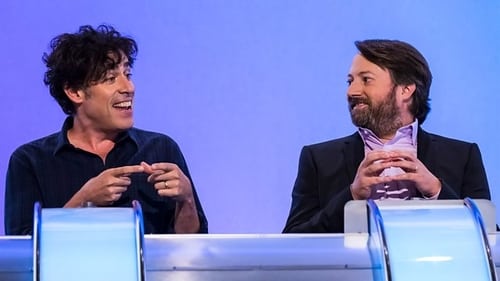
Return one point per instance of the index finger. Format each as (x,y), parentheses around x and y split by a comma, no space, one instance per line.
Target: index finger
(165,166)
(127,170)
(376,155)
(403,153)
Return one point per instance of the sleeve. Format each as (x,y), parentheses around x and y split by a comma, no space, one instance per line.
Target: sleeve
(306,213)
(183,166)
(474,183)
(21,193)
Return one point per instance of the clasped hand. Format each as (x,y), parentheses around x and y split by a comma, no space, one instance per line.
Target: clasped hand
(375,162)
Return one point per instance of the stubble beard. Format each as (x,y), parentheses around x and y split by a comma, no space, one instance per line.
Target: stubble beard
(383,119)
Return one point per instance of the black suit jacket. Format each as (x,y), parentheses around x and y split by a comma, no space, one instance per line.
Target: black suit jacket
(326,170)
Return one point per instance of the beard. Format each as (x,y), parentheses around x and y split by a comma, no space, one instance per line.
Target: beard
(383,118)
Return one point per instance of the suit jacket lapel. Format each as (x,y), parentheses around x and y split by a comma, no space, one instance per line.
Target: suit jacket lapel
(424,149)
(354,152)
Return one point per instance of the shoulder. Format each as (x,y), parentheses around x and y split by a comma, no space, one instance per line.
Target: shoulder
(331,154)
(145,137)
(46,144)
(446,147)
(334,144)
(445,141)
(155,142)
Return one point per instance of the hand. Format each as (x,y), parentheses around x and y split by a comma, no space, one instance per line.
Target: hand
(428,184)
(369,171)
(169,180)
(108,186)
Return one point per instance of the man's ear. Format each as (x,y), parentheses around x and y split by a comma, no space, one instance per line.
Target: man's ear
(408,91)
(76,96)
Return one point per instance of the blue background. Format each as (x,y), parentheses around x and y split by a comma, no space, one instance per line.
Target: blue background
(243,85)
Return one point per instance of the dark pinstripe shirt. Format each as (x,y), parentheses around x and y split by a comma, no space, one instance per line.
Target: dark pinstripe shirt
(50,170)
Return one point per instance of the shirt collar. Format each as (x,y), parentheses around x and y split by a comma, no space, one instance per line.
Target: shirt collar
(63,141)
(409,130)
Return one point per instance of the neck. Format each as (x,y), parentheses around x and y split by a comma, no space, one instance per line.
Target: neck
(386,139)
(387,136)
(91,139)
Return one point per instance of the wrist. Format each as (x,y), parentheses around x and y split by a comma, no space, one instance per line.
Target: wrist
(353,193)
(82,199)
(434,194)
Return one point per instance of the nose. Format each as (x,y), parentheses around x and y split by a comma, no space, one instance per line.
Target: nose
(354,89)
(126,85)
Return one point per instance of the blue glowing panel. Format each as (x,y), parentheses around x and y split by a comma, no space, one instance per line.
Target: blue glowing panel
(376,250)
(88,244)
(442,243)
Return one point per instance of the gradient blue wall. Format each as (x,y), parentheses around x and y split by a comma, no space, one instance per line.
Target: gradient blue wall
(243,85)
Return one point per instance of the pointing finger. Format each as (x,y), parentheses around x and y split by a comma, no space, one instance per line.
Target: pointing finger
(127,170)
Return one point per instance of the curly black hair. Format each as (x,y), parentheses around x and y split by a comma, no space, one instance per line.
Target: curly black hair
(406,65)
(78,60)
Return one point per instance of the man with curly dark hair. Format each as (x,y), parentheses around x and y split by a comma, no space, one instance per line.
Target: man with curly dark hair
(99,158)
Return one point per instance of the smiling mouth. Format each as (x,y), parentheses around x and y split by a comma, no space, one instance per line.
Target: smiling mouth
(357,105)
(124,105)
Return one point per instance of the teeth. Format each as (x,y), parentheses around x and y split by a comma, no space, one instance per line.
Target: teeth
(124,104)
(358,105)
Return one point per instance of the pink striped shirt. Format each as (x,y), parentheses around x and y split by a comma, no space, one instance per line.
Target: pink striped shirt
(405,139)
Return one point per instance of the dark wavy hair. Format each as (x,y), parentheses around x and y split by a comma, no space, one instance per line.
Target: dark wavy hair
(406,65)
(78,60)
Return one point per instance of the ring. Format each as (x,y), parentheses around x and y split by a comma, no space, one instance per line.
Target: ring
(166,184)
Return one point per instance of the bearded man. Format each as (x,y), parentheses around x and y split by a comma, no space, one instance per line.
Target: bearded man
(390,156)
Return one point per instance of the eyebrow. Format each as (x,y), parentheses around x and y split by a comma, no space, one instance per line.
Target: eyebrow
(125,63)
(349,75)
(365,72)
